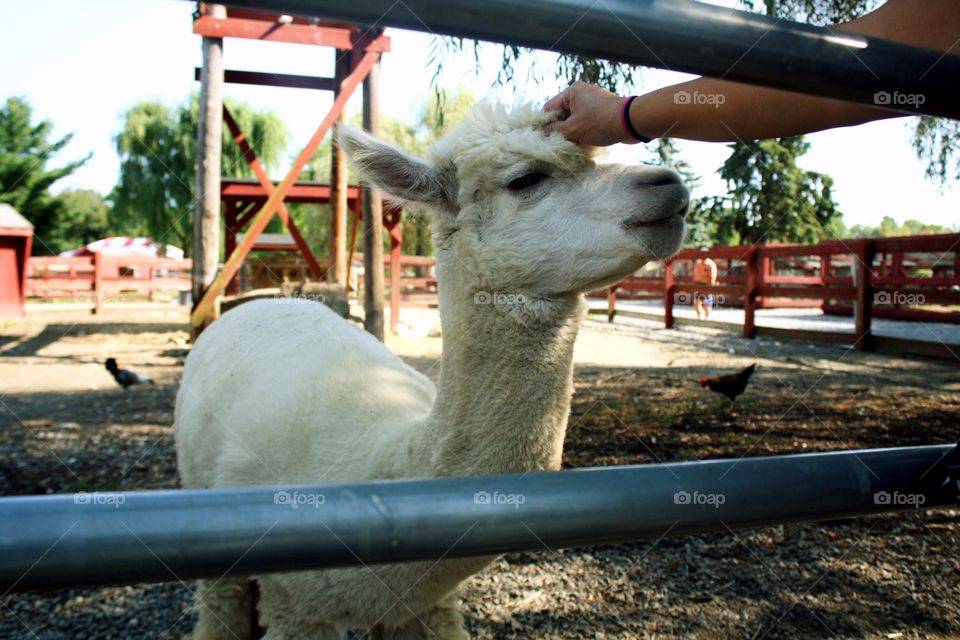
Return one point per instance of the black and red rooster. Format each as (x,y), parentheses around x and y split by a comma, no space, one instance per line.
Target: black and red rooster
(730,385)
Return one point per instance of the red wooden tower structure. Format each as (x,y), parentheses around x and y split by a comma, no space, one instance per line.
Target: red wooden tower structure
(252,205)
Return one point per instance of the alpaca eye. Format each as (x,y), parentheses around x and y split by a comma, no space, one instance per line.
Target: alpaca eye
(526,181)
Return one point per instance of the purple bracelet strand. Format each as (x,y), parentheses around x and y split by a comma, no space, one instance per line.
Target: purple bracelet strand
(625,121)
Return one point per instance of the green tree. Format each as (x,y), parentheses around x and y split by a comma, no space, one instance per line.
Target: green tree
(25,175)
(771,199)
(158,150)
(889,227)
(701,229)
(85,218)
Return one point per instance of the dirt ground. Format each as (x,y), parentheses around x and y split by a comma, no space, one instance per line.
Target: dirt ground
(65,427)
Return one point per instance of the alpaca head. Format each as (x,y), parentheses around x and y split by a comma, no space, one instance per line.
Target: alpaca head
(524,215)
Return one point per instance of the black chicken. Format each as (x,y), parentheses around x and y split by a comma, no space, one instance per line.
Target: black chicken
(124,377)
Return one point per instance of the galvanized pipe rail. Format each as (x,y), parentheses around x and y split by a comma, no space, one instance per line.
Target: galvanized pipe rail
(88,539)
(681,35)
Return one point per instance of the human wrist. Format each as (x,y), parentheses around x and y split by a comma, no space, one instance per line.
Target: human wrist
(632,135)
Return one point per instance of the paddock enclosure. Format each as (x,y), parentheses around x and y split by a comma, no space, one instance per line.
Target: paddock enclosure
(710,511)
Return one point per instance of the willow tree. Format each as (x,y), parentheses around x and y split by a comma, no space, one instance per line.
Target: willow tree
(158,153)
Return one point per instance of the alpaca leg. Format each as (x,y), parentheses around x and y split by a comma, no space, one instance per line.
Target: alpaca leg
(280,615)
(443,622)
(299,630)
(225,610)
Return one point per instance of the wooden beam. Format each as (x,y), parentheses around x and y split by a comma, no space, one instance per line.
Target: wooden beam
(251,157)
(205,307)
(291,81)
(206,217)
(337,271)
(372,215)
(299,192)
(215,26)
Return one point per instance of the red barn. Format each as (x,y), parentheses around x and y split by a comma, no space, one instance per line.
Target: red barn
(16,237)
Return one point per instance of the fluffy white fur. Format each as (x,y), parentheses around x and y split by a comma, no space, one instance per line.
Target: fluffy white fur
(289,393)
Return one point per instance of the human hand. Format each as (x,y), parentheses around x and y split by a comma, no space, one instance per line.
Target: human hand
(594,116)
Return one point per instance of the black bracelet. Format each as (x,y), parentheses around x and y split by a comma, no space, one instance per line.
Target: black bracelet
(625,119)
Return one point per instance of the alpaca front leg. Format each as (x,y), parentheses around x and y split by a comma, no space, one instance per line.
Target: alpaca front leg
(225,610)
(443,622)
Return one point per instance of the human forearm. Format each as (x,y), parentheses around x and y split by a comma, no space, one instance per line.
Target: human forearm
(722,111)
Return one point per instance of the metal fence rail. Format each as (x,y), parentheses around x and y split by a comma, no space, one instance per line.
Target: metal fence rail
(105,538)
(683,36)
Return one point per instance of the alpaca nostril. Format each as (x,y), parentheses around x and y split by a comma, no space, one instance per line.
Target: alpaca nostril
(662,182)
(662,178)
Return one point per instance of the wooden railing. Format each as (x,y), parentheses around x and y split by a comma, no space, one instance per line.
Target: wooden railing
(98,280)
(881,277)
(415,284)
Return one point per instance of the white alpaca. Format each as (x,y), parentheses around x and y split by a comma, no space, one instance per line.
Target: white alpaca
(290,393)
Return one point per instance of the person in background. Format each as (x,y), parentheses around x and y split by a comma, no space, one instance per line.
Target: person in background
(732,111)
(704,272)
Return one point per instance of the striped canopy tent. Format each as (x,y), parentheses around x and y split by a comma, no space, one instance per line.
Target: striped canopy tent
(125,246)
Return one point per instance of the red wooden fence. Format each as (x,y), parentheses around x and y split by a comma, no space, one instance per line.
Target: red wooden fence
(100,279)
(879,277)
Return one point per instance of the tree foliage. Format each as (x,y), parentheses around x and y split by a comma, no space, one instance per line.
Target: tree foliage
(889,228)
(86,218)
(771,199)
(26,152)
(158,153)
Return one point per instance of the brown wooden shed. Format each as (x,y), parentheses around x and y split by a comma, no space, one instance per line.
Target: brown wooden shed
(16,238)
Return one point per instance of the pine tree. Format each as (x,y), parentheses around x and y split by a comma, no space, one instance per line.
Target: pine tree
(26,152)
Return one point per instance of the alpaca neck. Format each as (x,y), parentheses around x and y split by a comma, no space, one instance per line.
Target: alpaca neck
(505,386)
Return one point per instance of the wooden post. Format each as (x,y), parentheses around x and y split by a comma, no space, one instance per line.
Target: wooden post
(754,269)
(337,250)
(764,273)
(97,283)
(206,216)
(824,274)
(669,285)
(863,310)
(372,217)
(396,244)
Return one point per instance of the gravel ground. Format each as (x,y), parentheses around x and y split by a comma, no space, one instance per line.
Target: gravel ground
(64,427)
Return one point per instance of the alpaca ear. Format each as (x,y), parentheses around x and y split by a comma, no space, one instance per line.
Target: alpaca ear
(399,174)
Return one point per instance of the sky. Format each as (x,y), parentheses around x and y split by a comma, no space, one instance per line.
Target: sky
(95,59)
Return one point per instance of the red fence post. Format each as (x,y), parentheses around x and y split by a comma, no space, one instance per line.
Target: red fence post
(864,300)
(753,274)
(669,284)
(612,303)
(97,283)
